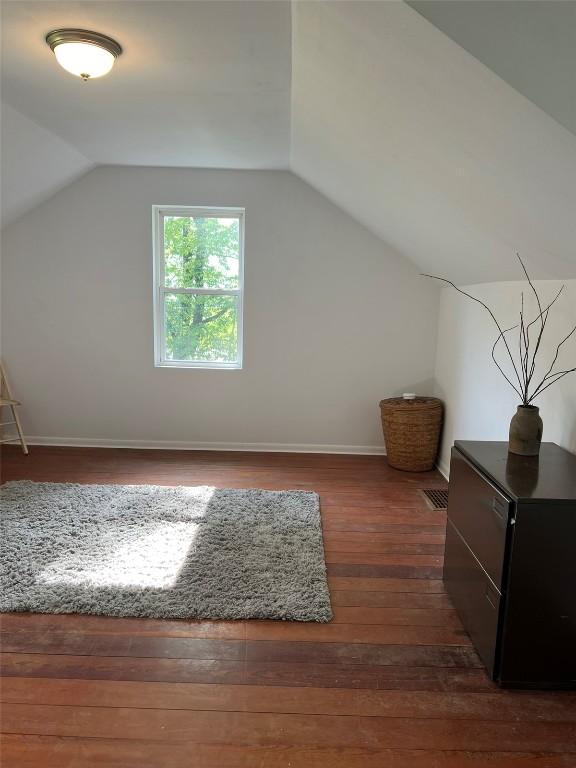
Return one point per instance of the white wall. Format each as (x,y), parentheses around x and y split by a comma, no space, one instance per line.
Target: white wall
(409,133)
(334,320)
(479,402)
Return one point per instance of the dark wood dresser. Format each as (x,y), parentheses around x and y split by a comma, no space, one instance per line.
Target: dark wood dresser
(510,561)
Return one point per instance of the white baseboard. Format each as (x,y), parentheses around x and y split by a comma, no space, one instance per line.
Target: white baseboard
(176,445)
(444,470)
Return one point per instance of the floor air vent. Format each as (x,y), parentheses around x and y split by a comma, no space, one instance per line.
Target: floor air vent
(436,497)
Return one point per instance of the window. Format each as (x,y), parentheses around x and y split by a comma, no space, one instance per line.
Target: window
(198,268)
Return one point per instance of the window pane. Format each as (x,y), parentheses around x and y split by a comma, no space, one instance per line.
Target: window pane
(201,328)
(201,252)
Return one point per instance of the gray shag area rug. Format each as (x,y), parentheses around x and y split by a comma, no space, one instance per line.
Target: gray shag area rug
(164,552)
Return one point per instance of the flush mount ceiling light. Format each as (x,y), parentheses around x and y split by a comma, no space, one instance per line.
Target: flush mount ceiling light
(83,53)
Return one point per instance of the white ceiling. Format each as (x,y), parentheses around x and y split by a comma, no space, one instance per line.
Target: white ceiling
(35,164)
(203,84)
(367,101)
(530,43)
(427,147)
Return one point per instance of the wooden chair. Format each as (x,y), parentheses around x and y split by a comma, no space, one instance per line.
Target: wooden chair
(7,401)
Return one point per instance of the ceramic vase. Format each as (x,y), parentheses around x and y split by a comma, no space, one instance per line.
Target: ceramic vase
(525,431)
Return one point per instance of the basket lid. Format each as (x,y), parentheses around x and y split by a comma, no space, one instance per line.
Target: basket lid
(411,405)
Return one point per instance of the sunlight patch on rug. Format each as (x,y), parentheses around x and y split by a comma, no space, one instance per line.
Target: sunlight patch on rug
(151,560)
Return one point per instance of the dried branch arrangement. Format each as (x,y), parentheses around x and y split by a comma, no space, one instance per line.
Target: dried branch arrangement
(525,357)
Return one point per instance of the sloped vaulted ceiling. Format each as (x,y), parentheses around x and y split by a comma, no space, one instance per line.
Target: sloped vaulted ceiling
(531,44)
(35,164)
(427,147)
(367,101)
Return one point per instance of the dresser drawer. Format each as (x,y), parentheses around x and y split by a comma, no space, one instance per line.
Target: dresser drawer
(480,512)
(475,598)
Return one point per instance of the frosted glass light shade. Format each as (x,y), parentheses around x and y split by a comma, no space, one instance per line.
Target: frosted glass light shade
(83,53)
(84,59)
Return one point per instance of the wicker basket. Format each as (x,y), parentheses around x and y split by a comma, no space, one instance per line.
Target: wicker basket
(412,432)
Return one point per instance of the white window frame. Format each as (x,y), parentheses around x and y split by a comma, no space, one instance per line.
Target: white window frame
(160,290)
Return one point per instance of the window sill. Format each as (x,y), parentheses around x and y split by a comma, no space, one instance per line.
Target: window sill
(199,365)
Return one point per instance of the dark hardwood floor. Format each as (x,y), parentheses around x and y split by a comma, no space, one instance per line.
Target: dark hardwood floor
(392,682)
